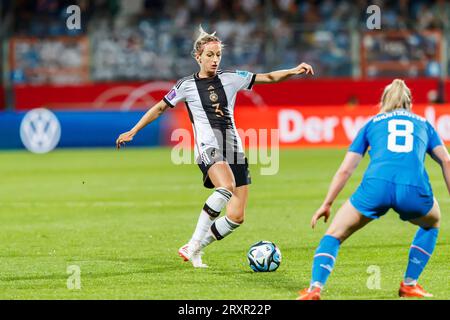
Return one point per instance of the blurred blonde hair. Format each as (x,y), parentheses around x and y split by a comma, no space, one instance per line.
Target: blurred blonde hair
(202,39)
(396,96)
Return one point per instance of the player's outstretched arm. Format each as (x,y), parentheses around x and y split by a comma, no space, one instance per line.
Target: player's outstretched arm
(440,155)
(281,75)
(345,171)
(152,114)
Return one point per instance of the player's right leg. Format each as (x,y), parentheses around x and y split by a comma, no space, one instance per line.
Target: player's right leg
(420,252)
(347,220)
(226,225)
(222,178)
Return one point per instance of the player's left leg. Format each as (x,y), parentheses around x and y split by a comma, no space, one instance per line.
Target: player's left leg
(234,218)
(345,223)
(222,178)
(420,252)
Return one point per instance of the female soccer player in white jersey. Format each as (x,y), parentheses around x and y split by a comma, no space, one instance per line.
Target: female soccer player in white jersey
(395,179)
(209,96)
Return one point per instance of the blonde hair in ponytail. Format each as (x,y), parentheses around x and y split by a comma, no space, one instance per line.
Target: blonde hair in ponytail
(202,39)
(396,96)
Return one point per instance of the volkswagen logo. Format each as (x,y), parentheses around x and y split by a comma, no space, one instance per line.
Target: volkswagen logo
(40,131)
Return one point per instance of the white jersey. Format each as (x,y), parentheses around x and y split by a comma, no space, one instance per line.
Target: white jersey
(210,104)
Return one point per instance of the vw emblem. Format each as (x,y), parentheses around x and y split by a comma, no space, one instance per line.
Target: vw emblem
(40,131)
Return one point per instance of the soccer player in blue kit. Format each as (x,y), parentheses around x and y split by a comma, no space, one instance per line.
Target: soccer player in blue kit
(398,141)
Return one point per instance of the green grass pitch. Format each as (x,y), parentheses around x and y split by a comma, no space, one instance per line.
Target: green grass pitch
(121,217)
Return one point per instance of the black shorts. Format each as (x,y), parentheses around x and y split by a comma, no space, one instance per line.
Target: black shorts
(238,164)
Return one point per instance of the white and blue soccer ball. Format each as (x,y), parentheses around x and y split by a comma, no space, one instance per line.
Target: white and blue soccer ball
(264,256)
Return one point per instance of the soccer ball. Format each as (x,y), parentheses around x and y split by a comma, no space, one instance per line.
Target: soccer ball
(264,256)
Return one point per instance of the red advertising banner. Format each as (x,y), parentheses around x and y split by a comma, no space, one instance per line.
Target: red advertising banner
(138,95)
(334,91)
(447,90)
(312,126)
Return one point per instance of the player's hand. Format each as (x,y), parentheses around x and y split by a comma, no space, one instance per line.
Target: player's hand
(123,138)
(303,68)
(323,211)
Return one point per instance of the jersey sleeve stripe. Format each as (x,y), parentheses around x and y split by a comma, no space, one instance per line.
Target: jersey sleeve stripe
(180,82)
(252,81)
(168,103)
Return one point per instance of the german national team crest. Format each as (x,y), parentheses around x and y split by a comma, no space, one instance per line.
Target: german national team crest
(213,96)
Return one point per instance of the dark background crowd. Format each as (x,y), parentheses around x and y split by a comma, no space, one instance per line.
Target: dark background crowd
(152,39)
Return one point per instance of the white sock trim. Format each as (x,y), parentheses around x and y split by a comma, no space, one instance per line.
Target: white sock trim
(316,284)
(409,282)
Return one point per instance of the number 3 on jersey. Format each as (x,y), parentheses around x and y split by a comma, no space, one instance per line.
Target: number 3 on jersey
(219,113)
(400,129)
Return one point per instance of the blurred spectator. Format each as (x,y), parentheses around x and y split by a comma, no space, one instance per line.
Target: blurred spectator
(407,53)
(147,39)
(50,61)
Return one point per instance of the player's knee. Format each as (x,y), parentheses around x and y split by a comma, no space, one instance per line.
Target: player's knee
(436,215)
(240,220)
(229,185)
(435,221)
(236,217)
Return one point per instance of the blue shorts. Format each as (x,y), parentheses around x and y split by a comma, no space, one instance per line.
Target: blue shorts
(374,197)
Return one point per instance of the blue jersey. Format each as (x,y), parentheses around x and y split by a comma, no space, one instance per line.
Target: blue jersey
(398,142)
